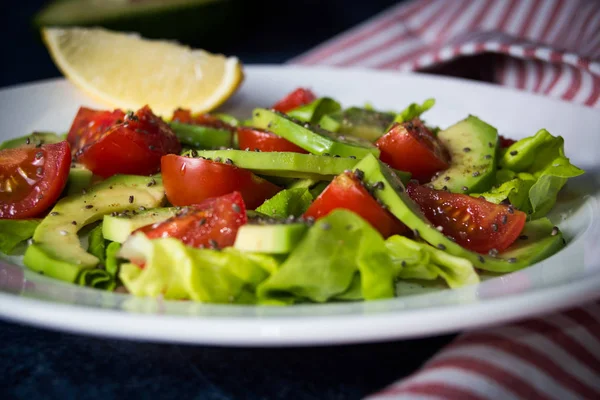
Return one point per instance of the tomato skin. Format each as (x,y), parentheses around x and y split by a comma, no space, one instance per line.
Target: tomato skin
(506,142)
(212,223)
(132,147)
(469,220)
(411,147)
(185,116)
(254,138)
(47,170)
(89,125)
(297,98)
(347,191)
(190,181)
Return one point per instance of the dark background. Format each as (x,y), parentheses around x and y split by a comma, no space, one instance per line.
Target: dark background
(39,364)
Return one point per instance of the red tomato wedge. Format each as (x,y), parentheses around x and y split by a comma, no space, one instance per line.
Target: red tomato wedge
(32,179)
(253,138)
(474,223)
(212,223)
(347,191)
(89,125)
(506,142)
(411,147)
(134,146)
(192,180)
(186,117)
(297,98)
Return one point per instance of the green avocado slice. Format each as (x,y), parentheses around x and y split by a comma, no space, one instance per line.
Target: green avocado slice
(57,251)
(311,138)
(282,164)
(542,239)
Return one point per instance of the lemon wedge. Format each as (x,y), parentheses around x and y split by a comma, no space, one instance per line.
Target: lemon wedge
(127,71)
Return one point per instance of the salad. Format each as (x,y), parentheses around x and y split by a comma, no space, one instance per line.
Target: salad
(304,201)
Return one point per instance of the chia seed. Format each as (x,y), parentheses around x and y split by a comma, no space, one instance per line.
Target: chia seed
(554,231)
(131,198)
(467,149)
(514,153)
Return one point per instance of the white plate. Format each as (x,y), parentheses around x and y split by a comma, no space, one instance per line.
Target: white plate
(568,278)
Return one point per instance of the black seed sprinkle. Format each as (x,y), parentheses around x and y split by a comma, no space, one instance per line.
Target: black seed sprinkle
(487,156)
(444,187)
(504,219)
(229,161)
(213,243)
(89,206)
(39,155)
(131,198)
(441,246)
(403,263)
(416,234)
(554,231)
(325,226)
(257,150)
(352,157)
(27,141)
(378,185)
(142,208)
(326,154)
(217,159)
(40,196)
(490,144)
(202,221)
(236,208)
(476,173)
(511,209)
(73,222)
(467,149)
(359,174)
(514,153)
(512,260)
(464,188)
(493,252)
(523,237)
(495,227)
(151,148)
(336,156)
(481,259)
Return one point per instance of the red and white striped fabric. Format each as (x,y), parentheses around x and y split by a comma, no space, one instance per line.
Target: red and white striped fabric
(551,47)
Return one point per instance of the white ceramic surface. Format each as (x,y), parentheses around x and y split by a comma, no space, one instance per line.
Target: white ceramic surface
(568,278)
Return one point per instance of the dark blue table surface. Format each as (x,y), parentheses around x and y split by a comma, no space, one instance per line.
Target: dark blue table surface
(37,363)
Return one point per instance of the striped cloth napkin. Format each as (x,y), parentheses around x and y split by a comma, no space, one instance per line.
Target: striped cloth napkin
(550,47)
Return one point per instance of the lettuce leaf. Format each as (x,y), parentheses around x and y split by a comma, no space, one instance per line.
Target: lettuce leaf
(325,263)
(176,271)
(15,231)
(422,261)
(414,110)
(287,202)
(533,171)
(97,244)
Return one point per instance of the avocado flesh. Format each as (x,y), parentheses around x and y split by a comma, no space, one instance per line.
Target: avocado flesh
(539,245)
(202,137)
(80,178)
(117,228)
(311,138)
(363,123)
(57,251)
(32,140)
(284,164)
(269,238)
(473,146)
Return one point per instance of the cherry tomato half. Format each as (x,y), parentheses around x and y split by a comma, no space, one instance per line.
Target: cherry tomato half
(134,146)
(212,223)
(411,147)
(192,180)
(474,223)
(32,179)
(347,191)
(253,138)
(297,98)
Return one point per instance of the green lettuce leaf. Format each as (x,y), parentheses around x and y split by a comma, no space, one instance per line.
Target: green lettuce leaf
(414,110)
(97,244)
(316,110)
(176,271)
(533,171)
(419,260)
(325,263)
(15,231)
(287,202)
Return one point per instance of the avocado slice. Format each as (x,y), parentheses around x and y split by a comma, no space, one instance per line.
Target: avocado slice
(80,178)
(56,250)
(312,138)
(542,239)
(363,123)
(473,148)
(117,228)
(32,140)
(270,238)
(282,164)
(202,137)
